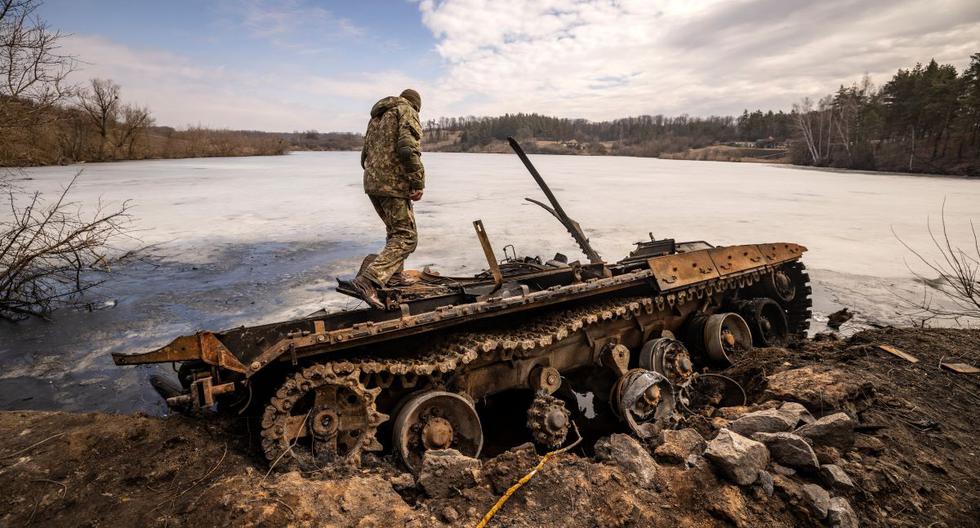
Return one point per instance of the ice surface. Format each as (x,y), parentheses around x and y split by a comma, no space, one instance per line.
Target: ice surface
(251,240)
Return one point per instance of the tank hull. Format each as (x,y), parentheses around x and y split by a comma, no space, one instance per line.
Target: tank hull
(529,329)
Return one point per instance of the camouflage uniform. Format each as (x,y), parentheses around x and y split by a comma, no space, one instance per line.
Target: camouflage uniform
(393,170)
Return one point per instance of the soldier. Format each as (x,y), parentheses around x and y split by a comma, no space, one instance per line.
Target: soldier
(393,178)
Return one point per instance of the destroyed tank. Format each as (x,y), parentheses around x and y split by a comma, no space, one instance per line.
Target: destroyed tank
(425,373)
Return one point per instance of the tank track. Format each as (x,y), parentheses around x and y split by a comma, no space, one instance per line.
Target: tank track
(453,351)
(799,310)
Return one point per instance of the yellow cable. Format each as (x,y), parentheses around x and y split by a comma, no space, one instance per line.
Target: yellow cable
(510,491)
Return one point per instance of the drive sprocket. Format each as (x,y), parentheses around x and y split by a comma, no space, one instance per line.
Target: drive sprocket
(319,416)
(548,420)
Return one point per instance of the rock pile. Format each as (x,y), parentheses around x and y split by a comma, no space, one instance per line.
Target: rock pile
(772,448)
(784,438)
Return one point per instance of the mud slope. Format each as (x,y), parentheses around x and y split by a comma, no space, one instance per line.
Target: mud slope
(913,462)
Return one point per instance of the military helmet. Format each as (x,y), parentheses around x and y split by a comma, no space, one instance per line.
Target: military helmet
(414,98)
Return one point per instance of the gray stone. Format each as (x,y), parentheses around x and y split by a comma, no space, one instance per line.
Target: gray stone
(835,430)
(445,472)
(818,387)
(841,515)
(869,444)
(449,515)
(626,452)
(767,421)
(789,450)
(835,477)
(783,470)
(677,446)
(817,499)
(765,482)
(740,459)
(827,454)
(796,411)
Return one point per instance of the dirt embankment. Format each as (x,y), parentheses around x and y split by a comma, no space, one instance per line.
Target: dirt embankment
(727,153)
(913,461)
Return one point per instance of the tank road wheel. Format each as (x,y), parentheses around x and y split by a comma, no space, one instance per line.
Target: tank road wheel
(766,320)
(318,416)
(780,285)
(436,420)
(726,336)
(644,399)
(669,358)
(548,420)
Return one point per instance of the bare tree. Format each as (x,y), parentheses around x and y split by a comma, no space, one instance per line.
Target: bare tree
(51,252)
(804,114)
(135,121)
(957,281)
(33,72)
(101,104)
(816,127)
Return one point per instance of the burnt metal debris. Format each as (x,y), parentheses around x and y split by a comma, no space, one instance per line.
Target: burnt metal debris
(414,377)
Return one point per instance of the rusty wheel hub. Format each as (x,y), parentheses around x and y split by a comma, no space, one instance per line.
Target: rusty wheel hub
(644,400)
(668,357)
(437,433)
(767,321)
(781,286)
(324,423)
(436,420)
(726,337)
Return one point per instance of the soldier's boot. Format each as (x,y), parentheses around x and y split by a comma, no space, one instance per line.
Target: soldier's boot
(365,288)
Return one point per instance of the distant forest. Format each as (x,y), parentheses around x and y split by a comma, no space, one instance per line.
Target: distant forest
(630,136)
(924,119)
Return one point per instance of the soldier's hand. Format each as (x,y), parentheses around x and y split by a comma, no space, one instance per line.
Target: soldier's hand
(415,196)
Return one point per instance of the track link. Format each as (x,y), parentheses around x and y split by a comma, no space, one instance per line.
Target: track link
(799,310)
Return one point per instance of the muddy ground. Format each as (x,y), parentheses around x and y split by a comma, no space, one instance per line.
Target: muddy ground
(914,461)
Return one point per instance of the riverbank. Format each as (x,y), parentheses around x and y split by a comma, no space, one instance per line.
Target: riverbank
(729,153)
(910,464)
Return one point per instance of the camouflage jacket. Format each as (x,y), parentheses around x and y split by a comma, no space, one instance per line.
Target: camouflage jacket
(391,157)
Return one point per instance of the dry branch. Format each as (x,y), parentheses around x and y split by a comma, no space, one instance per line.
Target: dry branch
(51,253)
(957,270)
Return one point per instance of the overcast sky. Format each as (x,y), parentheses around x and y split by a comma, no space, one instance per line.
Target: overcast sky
(284,65)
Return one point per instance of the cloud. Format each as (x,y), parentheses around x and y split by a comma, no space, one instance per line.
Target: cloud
(597,59)
(291,24)
(180,91)
(606,59)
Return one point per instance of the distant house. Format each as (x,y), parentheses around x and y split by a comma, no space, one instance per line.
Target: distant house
(572,144)
(768,142)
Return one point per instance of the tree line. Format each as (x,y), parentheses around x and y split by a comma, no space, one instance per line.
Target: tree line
(93,123)
(639,136)
(46,119)
(924,119)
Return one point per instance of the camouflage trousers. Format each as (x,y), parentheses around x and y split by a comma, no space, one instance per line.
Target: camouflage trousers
(400,241)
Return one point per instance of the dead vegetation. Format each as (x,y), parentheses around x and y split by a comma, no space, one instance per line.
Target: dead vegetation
(53,251)
(950,273)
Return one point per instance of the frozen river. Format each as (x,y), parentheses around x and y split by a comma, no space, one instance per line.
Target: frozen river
(250,240)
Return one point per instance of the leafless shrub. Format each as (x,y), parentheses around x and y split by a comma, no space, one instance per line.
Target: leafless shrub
(957,281)
(52,252)
(33,72)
